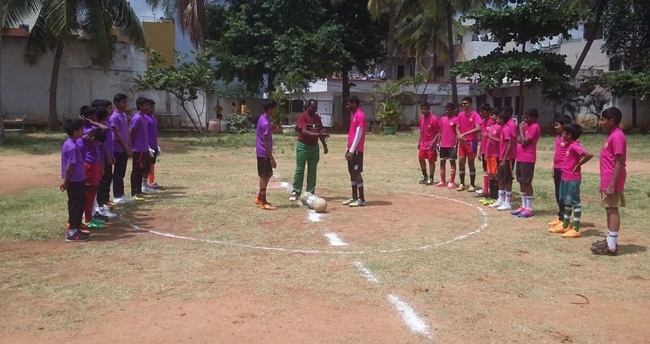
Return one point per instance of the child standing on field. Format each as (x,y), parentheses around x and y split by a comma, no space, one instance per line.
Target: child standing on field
(429,131)
(447,143)
(486,121)
(575,157)
(73,175)
(493,136)
(528,135)
(138,132)
(467,131)
(94,133)
(612,179)
(264,150)
(149,184)
(354,153)
(558,158)
(507,156)
(121,147)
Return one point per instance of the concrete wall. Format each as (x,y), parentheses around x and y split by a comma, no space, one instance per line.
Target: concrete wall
(160,37)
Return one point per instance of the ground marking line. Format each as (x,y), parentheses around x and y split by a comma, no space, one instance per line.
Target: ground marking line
(412,320)
(366,272)
(334,239)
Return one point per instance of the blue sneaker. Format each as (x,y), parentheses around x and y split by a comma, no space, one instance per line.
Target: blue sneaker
(358,203)
(518,211)
(76,235)
(348,202)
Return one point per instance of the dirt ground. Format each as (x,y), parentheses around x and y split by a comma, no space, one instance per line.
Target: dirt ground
(242,317)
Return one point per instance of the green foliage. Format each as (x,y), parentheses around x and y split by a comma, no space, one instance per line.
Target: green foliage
(624,83)
(391,96)
(239,124)
(565,99)
(627,24)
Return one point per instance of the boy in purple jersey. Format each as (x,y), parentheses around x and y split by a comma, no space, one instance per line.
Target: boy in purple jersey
(122,147)
(612,180)
(94,134)
(264,151)
(72,173)
(558,158)
(138,132)
(149,180)
(527,136)
(105,109)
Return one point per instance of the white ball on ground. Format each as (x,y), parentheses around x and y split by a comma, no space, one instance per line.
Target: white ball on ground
(320,205)
(310,201)
(303,197)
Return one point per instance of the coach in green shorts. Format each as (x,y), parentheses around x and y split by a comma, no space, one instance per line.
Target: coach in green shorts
(310,130)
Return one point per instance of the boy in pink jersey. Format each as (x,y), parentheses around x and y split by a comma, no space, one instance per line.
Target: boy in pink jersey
(560,153)
(507,156)
(575,157)
(354,153)
(486,121)
(493,136)
(447,143)
(429,131)
(467,131)
(528,135)
(612,179)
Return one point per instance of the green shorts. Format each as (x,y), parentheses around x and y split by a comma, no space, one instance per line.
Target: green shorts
(570,192)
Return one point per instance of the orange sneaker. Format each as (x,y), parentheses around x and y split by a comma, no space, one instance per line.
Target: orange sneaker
(555,223)
(571,233)
(559,229)
(257,202)
(267,206)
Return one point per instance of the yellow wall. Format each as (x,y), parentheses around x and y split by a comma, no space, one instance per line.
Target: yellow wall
(160,37)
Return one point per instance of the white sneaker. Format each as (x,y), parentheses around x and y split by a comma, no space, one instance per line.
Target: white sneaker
(119,200)
(148,190)
(504,206)
(127,199)
(106,212)
(496,204)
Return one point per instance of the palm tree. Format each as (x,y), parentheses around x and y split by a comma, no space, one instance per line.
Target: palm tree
(376,9)
(11,13)
(189,13)
(59,22)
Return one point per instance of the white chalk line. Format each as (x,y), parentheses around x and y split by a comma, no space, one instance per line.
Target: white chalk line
(410,317)
(334,239)
(366,272)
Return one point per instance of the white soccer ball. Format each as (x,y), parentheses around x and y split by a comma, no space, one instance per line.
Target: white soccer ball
(310,201)
(320,205)
(303,197)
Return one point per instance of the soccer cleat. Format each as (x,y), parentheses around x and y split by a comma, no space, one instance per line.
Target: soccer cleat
(479,192)
(489,202)
(138,198)
(94,224)
(496,204)
(423,180)
(461,187)
(348,202)
(439,185)
(571,233)
(451,186)
(155,185)
(105,211)
(559,229)
(293,196)
(119,200)
(75,235)
(148,190)
(257,202)
(429,181)
(505,206)
(110,205)
(358,203)
(145,195)
(603,250)
(526,213)
(471,188)
(599,243)
(267,206)
(100,217)
(518,211)
(554,223)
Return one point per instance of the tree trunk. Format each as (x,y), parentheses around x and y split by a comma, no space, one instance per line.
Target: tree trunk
(3,137)
(452,58)
(434,47)
(520,108)
(196,126)
(52,117)
(345,81)
(390,41)
(591,36)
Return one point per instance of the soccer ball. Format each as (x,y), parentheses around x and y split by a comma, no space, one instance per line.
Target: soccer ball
(310,201)
(304,196)
(320,205)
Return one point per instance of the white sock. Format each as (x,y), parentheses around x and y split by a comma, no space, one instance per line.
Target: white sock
(523,201)
(502,194)
(612,237)
(529,202)
(508,197)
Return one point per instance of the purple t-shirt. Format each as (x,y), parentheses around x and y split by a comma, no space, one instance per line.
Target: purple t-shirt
(89,151)
(152,131)
(140,138)
(263,129)
(71,155)
(109,144)
(118,121)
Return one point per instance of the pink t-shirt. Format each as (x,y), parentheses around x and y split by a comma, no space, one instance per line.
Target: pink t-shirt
(429,127)
(467,122)
(507,136)
(493,146)
(615,144)
(560,151)
(357,120)
(529,153)
(571,159)
(448,131)
(486,123)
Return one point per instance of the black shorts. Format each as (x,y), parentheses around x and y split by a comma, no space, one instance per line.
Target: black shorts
(356,163)
(505,171)
(448,153)
(264,169)
(525,172)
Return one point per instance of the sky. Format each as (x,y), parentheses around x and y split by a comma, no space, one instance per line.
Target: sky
(143,11)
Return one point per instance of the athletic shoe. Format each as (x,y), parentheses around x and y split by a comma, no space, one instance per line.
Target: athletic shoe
(358,203)
(484,201)
(496,204)
(267,206)
(439,185)
(479,193)
(490,202)
(451,186)
(139,198)
(555,223)
(126,199)
(526,213)
(293,197)
(75,235)
(518,211)
(559,229)
(105,211)
(110,205)
(571,233)
(505,206)
(119,200)
(145,195)
(423,180)
(461,187)
(155,185)
(603,250)
(429,181)
(94,224)
(348,202)
(98,216)
(257,202)
(148,190)
(599,243)
(83,228)
(471,188)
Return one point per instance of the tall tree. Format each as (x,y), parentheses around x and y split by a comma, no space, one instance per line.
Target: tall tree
(594,10)
(190,14)
(59,22)
(377,8)
(11,13)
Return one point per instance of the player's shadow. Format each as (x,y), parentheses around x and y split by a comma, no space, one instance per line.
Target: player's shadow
(591,232)
(377,203)
(339,199)
(631,249)
(545,212)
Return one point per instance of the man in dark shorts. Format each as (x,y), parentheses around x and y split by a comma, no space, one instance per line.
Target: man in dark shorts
(354,153)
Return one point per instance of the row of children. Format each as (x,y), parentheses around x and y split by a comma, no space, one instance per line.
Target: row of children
(503,145)
(95,155)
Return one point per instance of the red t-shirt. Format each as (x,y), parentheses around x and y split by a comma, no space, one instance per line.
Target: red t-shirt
(312,124)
